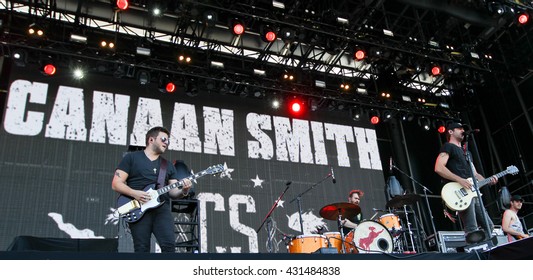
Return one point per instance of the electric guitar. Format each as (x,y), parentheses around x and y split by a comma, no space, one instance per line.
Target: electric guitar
(132,210)
(458,198)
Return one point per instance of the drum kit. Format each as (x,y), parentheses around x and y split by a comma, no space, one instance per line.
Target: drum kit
(370,236)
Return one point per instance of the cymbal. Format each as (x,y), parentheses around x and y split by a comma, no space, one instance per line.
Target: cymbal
(401,200)
(346,210)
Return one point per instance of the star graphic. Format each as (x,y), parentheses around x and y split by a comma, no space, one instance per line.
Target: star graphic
(280,203)
(257,181)
(227,172)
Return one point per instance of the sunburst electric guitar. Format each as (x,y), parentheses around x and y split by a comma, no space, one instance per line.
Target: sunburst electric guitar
(458,198)
(132,210)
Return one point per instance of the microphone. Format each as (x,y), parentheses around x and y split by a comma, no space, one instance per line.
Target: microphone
(332,175)
(288,183)
(472,131)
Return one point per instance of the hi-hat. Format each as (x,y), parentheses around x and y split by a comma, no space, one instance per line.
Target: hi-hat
(346,210)
(401,200)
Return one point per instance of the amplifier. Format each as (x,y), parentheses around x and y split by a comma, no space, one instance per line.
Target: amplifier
(451,240)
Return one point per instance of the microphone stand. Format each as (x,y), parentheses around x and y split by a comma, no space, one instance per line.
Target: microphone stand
(299,198)
(468,157)
(270,219)
(426,190)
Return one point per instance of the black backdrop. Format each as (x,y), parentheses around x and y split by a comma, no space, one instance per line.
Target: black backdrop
(56,182)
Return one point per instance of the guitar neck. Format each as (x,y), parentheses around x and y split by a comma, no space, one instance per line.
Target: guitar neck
(179,184)
(487,180)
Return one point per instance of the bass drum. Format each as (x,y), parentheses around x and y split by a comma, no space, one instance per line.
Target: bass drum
(370,237)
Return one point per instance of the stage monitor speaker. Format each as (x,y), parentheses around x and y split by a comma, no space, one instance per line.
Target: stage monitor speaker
(451,240)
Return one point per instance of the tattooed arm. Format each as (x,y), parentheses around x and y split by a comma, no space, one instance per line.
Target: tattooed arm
(119,185)
(444,172)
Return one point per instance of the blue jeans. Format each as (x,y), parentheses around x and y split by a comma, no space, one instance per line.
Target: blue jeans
(158,221)
(472,218)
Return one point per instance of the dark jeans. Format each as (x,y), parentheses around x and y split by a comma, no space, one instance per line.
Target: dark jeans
(472,218)
(158,221)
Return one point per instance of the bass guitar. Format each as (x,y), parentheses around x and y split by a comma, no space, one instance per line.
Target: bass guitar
(458,198)
(132,210)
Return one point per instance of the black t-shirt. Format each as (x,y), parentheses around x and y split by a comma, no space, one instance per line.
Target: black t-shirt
(356,220)
(142,171)
(457,163)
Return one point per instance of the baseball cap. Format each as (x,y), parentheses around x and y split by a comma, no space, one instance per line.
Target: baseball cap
(454,125)
(517,197)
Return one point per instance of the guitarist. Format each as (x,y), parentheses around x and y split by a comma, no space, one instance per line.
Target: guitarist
(452,166)
(511,225)
(138,170)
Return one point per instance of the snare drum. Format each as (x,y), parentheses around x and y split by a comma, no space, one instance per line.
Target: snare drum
(371,237)
(334,240)
(307,243)
(391,221)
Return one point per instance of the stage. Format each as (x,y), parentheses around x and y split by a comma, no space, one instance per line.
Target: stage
(34,248)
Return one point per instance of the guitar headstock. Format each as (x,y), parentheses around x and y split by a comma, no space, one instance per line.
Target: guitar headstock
(512,170)
(215,169)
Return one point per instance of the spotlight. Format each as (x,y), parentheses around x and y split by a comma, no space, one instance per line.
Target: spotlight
(237,27)
(288,76)
(143,51)
(107,45)
(424,123)
(345,87)
(122,4)
(48,69)
(143,77)
(296,107)
(20,57)
(359,54)
(78,73)
(523,18)
(385,95)
(356,113)
(435,70)
(287,34)
(275,103)
(387,115)
(185,59)
(35,30)
(210,18)
(166,85)
(267,33)
(374,117)
(191,88)
(440,126)
(407,117)
(78,38)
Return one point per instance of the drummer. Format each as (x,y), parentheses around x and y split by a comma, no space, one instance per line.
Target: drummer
(348,224)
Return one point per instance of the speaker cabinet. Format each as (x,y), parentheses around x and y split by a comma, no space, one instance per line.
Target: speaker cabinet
(451,240)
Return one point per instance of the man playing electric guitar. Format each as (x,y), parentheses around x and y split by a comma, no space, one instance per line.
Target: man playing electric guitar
(452,166)
(140,169)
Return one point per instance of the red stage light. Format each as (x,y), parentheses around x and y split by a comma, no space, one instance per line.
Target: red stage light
(435,70)
(170,87)
(49,69)
(296,107)
(123,4)
(374,120)
(441,129)
(270,36)
(523,18)
(238,28)
(360,55)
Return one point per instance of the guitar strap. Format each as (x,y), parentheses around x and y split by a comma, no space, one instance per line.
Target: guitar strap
(162,173)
